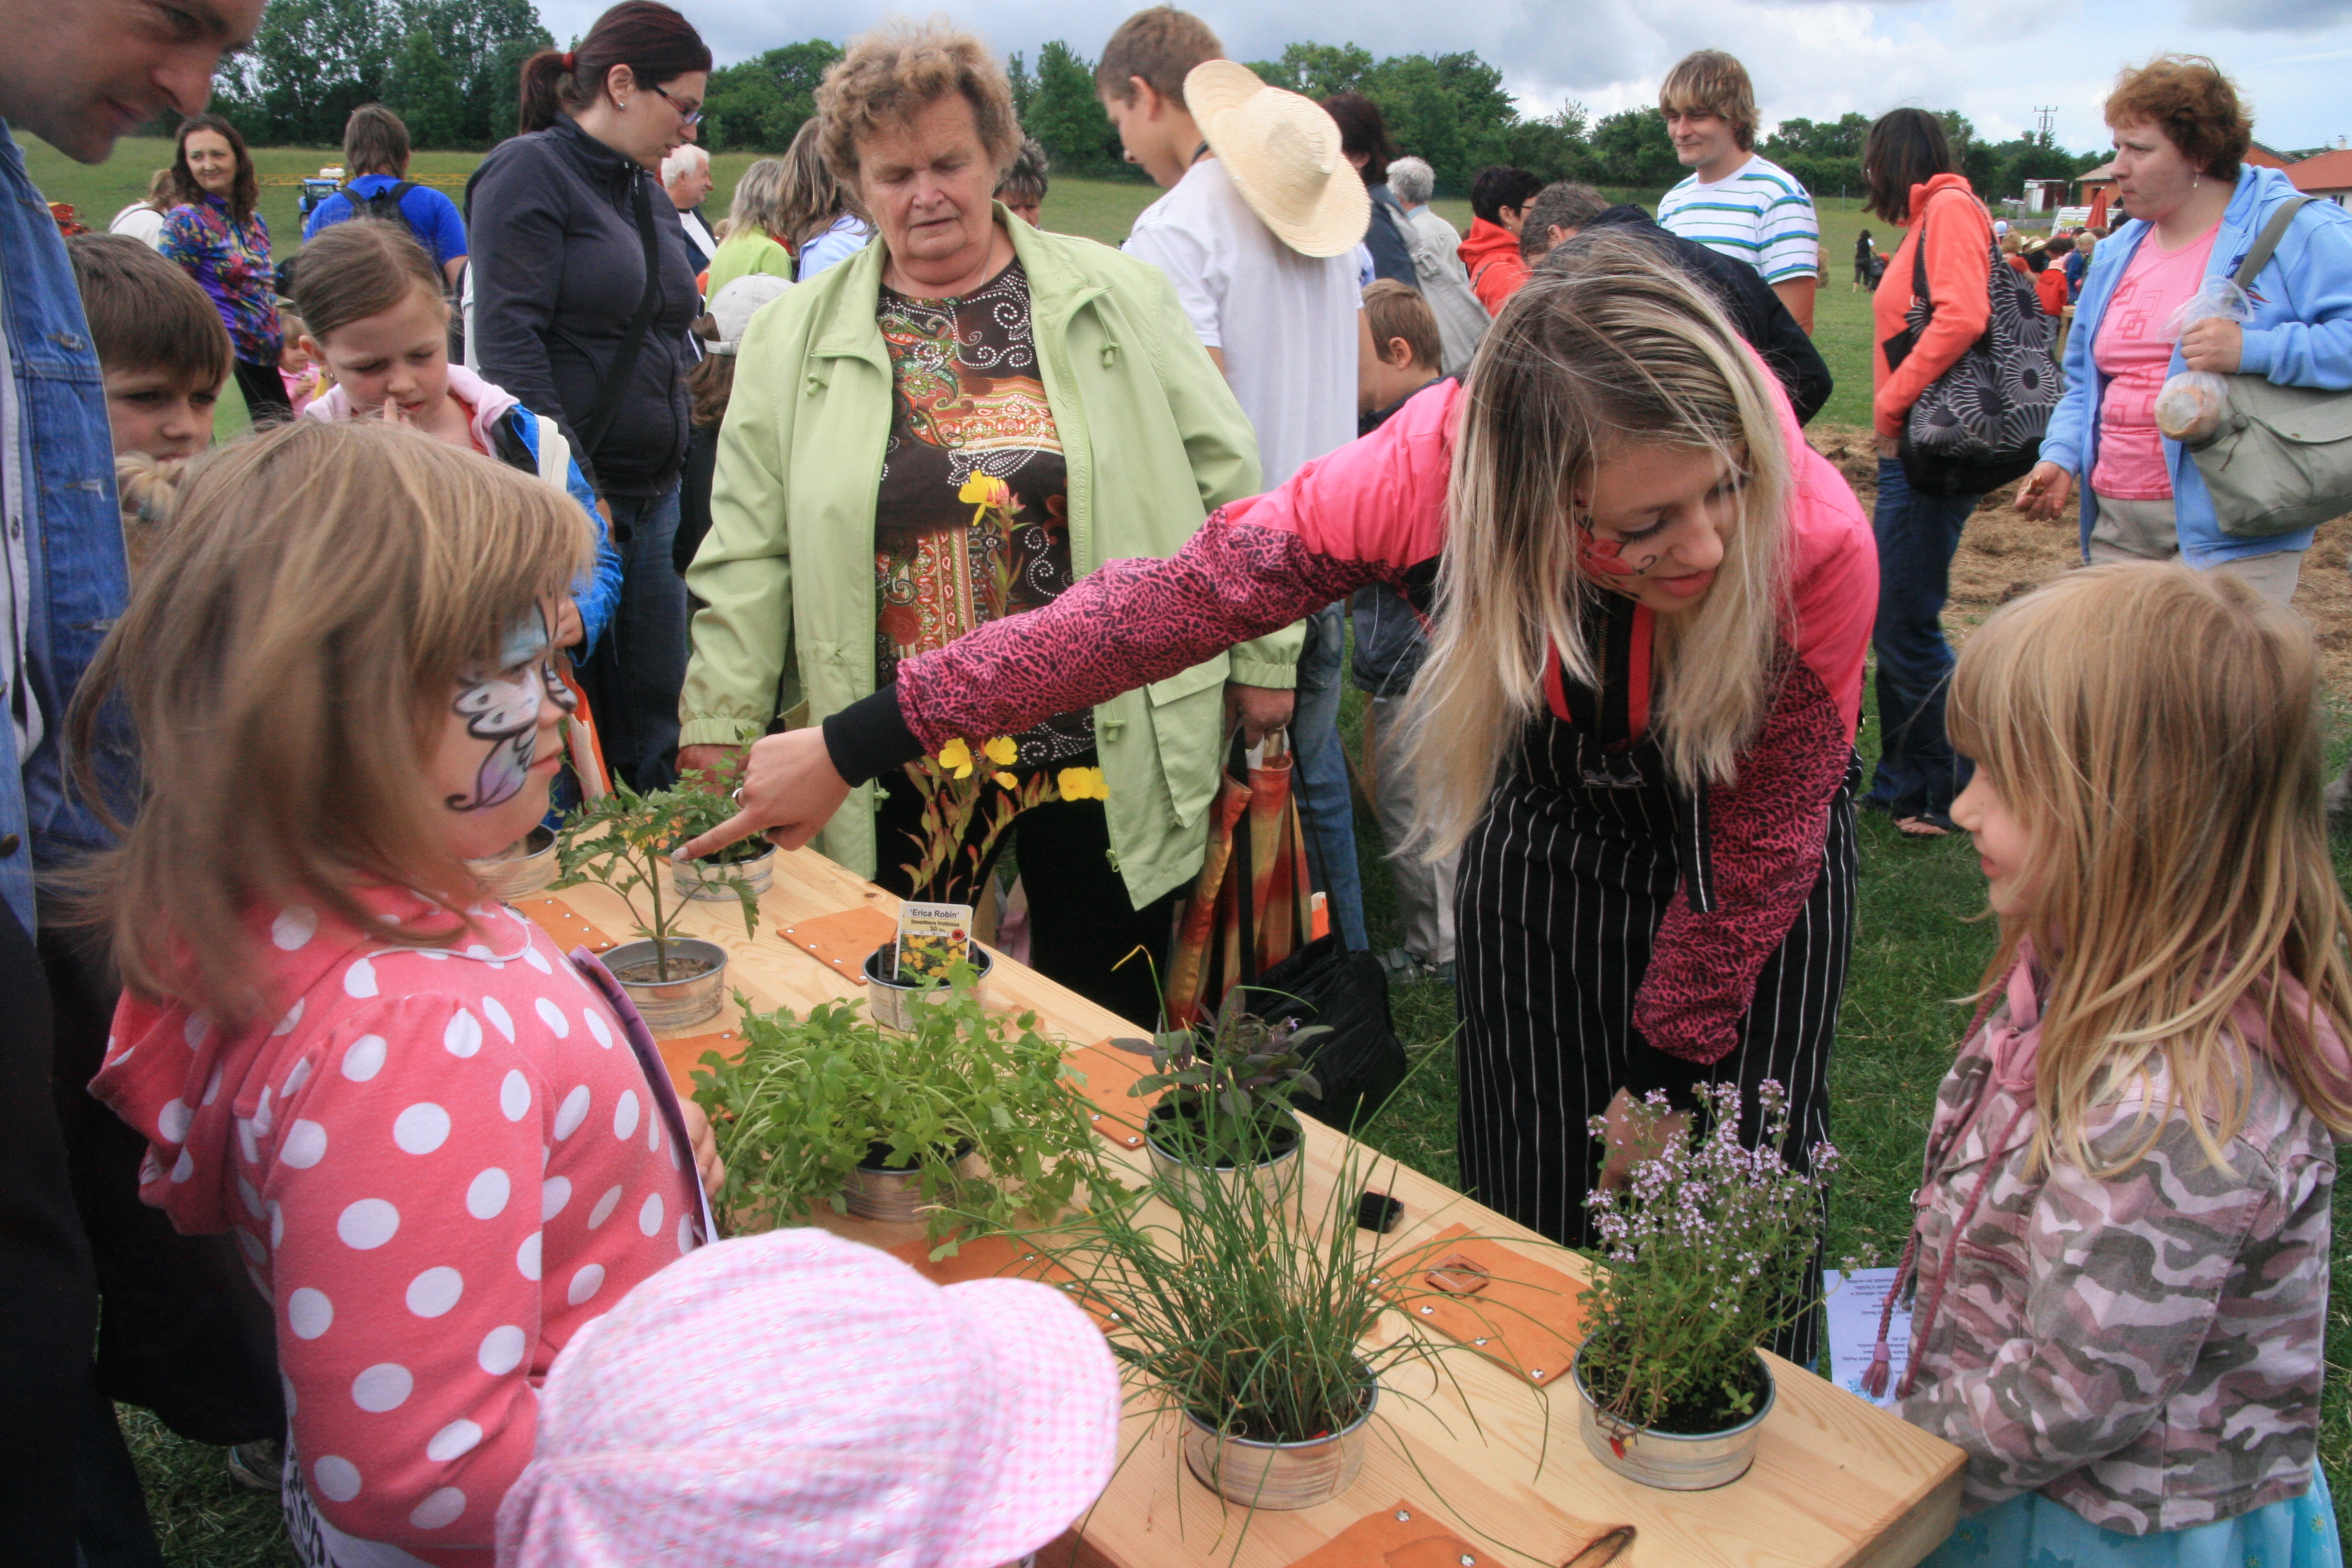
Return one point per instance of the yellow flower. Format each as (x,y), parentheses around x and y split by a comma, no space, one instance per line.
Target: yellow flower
(975,490)
(1082,783)
(956,757)
(1007,781)
(1001,751)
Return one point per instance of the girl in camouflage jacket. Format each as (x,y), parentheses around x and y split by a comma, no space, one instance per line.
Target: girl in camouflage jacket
(2120,1261)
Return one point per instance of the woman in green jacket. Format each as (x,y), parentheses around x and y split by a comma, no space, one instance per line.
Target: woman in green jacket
(948,428)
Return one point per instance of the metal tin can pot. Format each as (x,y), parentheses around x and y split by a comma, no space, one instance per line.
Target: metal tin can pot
(673,1003)
(707,879)
(1278,1474)
(878,1192)
(522,873)
(1278,1177)
(1672,1462)
(893,1001)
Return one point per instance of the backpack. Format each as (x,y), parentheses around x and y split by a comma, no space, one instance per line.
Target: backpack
(384,205)
(1980,425)
(1461,321)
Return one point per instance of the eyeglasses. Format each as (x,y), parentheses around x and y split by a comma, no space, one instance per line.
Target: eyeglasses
(688,117)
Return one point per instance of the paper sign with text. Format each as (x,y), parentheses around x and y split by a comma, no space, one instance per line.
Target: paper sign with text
(932,938)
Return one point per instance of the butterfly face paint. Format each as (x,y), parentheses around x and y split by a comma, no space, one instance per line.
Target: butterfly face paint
(502,708)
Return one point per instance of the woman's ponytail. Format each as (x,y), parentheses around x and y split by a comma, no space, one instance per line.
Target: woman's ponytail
(652,39)
(543,82)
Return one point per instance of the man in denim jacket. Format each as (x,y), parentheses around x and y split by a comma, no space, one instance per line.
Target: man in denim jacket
(78,77)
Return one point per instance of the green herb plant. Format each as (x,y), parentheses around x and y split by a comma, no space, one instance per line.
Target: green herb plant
(708,800)
(808,1098)
(1703,1255)
(1228,1083)
(620,841)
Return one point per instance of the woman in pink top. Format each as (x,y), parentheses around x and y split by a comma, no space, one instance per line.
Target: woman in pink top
(2196,210)
(1636,721)
(436,1139)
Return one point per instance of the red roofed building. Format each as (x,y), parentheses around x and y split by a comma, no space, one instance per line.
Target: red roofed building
(2326,174)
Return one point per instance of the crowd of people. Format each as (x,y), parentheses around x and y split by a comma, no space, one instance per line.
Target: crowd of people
(581,479)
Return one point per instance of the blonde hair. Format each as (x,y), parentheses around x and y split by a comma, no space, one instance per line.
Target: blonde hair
(1611,347)
(1708,82)
(150,493)
(287,663)
(812,199)
(2156,731)
(758,200)
(354,270)
(901,69)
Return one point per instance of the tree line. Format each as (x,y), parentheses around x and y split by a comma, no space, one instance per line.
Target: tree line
(448,69)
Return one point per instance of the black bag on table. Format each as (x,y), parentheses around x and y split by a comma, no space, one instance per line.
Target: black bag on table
(1360,1062)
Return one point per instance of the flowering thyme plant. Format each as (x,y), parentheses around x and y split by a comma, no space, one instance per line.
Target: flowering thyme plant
(1703,1255)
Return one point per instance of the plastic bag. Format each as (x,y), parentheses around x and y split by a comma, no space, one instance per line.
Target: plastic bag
(2190,407)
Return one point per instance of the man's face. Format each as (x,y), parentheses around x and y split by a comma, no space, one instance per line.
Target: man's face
(1702,138)
(78,76)
(689,189)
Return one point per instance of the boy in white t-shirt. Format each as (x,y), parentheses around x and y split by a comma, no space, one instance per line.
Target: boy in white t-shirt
(1736,200)
(1262,261)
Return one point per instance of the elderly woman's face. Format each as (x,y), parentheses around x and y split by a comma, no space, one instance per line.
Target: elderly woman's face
(929,182)
(2152,177)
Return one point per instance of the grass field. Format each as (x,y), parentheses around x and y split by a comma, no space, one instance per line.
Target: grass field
(1919,945)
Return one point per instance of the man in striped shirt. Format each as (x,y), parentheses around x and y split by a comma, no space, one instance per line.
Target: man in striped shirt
(1736,201)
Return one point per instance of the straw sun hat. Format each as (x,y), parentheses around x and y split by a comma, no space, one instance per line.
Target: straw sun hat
(1283,153)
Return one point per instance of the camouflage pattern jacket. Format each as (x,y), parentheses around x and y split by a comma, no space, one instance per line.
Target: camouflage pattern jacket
(2144,1349)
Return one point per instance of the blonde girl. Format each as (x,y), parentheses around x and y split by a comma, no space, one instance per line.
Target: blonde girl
(376,323)
(2122,1250)
(433,1135)
(757,241)
(1636,721)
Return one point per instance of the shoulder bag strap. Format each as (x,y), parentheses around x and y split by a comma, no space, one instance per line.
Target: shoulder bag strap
(2273,232)
(633,340)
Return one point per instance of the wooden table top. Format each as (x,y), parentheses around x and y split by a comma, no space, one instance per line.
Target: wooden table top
(1836,1481)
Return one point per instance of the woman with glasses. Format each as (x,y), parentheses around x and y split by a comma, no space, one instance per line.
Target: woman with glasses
(584,297)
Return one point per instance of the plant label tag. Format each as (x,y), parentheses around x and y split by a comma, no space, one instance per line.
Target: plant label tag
(932,938)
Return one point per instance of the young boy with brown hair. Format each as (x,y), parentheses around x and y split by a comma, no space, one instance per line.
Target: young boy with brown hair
(1736,200)
(161,346)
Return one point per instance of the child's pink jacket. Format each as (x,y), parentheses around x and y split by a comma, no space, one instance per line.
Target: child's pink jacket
(440,1164)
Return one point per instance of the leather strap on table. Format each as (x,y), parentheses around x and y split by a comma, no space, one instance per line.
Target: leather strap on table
(1523,1316)
(567,925)
(842,942)
(998,1258)
(1407,1535)
(1115,1113)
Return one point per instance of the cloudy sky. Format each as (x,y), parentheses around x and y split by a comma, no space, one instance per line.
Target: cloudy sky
(1995,61)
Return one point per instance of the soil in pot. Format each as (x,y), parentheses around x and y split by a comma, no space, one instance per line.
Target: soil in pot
(681,967)
(1178,1129)
(877,1157)
(737,853)
(1703,1412)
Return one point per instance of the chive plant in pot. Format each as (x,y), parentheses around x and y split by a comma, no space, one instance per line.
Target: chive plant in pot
(1249,1313)
(707,799)
(1225,1116)
(621,841)
(1704,1256)
(972,1123)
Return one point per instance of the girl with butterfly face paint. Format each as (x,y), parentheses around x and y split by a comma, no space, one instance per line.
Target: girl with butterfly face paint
(499,746)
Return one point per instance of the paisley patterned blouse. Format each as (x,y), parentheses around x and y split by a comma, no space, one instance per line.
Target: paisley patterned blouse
(231,260)
(971,524)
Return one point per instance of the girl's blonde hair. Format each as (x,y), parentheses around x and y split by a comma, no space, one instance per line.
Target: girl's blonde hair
(1607,346)
(812,199)
(759,202)
(2156,731)
(288,662)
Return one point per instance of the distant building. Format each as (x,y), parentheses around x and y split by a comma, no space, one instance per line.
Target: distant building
(2328,175)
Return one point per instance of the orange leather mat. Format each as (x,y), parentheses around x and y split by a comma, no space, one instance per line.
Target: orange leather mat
(1409,1536)
(682,1056)
(844,940)
(1117,1114)
(566,924)
(1506,1306)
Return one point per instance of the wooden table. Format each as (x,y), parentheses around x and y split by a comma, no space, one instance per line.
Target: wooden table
(1836,1481)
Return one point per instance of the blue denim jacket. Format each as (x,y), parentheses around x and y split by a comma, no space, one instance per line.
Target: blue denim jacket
(73,544)
(2301,336)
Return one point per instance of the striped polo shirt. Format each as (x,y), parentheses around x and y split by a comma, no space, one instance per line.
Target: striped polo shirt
(1760,214)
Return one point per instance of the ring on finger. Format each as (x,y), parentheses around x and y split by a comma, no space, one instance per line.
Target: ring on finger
(737,795)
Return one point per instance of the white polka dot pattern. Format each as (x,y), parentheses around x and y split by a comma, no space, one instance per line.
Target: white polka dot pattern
(337,1479)
(553,1197)
(420,1129)
(443,1507)
(453,1441)
(463,1037)
(585,1283)
(486,1199)
(364,1059)
(367,1224)
(624,1114)
(294,927)
(527,1255)
(514,1095)
(650,1215)
(305,1145)
(603,1209)
(434,1292)
(553,1017)
(501,1349)
(384,1386)
(573,1111)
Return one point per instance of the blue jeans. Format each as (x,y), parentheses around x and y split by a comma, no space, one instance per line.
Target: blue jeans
(1320,775)
(633,677)
(1917,536)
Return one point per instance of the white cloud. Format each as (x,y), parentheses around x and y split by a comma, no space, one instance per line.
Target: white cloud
(1997,61)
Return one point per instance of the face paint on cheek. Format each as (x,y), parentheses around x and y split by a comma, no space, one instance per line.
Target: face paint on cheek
(1604,559)
(503,709)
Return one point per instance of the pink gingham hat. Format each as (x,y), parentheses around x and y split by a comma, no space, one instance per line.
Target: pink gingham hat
(796,1398)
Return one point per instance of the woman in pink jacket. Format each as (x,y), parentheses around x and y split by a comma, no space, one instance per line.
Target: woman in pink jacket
(1636,721)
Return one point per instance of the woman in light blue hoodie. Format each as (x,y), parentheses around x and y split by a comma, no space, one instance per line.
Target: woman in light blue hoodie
(2180,135)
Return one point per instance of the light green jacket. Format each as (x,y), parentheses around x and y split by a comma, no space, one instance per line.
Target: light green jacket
(743,255)
(1153,440)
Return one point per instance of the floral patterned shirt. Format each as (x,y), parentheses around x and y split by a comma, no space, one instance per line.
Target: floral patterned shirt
(231,260)
(973,521)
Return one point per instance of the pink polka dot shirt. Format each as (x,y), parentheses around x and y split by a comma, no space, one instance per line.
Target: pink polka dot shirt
(440,1164)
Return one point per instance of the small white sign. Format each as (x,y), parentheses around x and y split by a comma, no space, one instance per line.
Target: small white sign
(1855,1301)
